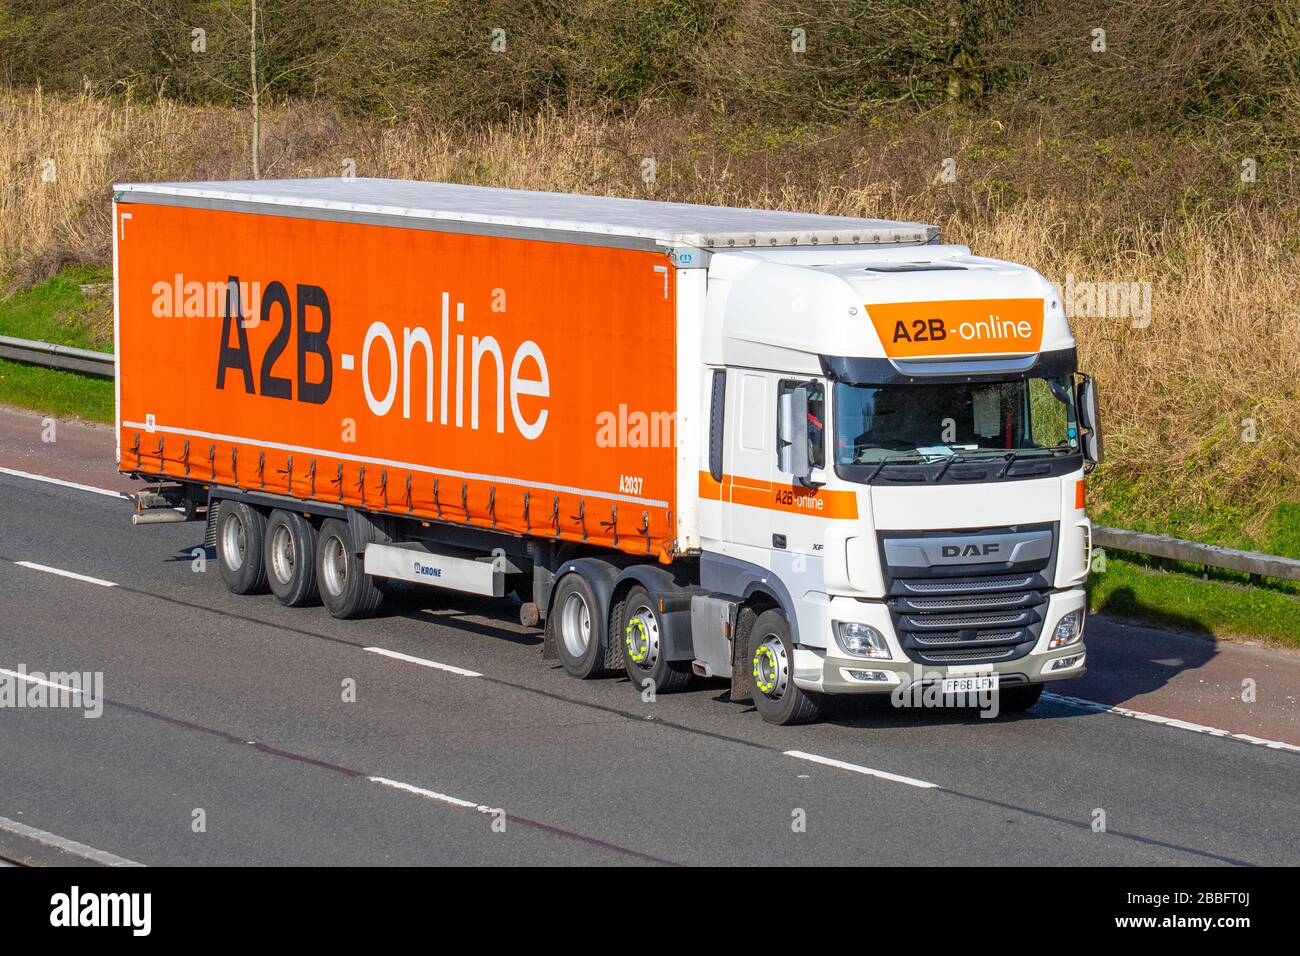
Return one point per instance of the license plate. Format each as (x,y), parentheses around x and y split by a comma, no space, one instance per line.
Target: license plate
(971,685)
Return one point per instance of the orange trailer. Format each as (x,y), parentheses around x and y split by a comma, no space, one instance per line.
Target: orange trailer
(451,376)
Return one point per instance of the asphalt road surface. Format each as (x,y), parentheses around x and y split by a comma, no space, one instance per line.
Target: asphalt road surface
(227,735)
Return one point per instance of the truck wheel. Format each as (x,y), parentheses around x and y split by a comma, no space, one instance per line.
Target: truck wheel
(290,550)
(1019,698)
(770,655)
(345,588)
(644,654)
(241,530)
(575,627)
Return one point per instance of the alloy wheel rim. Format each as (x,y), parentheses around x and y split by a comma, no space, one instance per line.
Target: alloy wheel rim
(575,625)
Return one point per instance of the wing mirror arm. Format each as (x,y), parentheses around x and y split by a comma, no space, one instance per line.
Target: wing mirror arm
(1089,420)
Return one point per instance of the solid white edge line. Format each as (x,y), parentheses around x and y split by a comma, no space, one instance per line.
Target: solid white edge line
(65,574)
(64,844)
(449,668)
(77,486)
(1100,708)
(433,795)
(856,768)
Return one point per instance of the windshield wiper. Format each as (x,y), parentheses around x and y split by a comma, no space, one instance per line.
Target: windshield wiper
(894,460)
(948,463)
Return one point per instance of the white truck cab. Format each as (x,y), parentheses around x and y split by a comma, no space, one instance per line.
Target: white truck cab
(896,454)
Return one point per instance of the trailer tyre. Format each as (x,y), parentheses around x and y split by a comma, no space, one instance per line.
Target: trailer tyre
(770,657)
(241,532)
(345,588)
(575,627)
(290,550)
(644,652)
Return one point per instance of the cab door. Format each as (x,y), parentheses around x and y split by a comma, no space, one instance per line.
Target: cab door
(750,460)
(798,530)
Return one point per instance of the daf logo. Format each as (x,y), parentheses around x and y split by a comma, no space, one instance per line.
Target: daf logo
(970,550)
(1012,547)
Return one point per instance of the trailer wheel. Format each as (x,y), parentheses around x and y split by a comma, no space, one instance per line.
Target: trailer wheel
(345,588)
(241,531)
(770,655)
(576,627)
(290,551)
(640,630)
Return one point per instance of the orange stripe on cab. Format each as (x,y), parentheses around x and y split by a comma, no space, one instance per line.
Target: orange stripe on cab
(792,499)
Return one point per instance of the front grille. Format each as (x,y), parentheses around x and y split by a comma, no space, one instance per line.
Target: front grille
(959,602)
(966,585)
(958,638)
(969,595)
(968,620)
(967,656)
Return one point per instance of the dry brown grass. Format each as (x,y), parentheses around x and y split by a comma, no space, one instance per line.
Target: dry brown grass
(1223,345)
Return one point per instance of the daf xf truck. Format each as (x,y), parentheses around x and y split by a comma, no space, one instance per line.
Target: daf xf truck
(808,454)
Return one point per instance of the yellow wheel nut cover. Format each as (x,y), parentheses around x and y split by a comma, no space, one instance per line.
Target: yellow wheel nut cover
(766,686)
(641,651)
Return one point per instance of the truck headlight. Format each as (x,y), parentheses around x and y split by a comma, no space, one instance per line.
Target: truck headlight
(1068,630)
(860,640)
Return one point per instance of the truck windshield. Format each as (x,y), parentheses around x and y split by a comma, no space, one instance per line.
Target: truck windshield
(918,424)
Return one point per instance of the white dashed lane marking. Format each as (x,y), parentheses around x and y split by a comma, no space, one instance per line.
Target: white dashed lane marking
(422,662)
(32,679)
(858,768)
(433,795)
(32,565)
(62,483)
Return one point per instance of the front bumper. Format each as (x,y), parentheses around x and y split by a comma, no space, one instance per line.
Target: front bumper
(830,671)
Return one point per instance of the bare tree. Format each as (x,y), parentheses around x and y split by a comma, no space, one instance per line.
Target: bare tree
(239,51)
(254,92)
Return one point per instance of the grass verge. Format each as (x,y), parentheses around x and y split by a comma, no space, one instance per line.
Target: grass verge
(55,392)
(1222,607)
(57,310)
(1226,522)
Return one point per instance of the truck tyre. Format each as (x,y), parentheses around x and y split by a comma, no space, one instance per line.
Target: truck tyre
(290,551)
(770,657)
(575,627)
(241,531)
(644,653)
(1018,698)
(345,588)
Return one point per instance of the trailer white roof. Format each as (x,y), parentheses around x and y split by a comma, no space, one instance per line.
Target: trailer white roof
(601,220)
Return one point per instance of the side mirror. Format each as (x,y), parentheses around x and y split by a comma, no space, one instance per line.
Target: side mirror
(1090,420)
(792,435)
